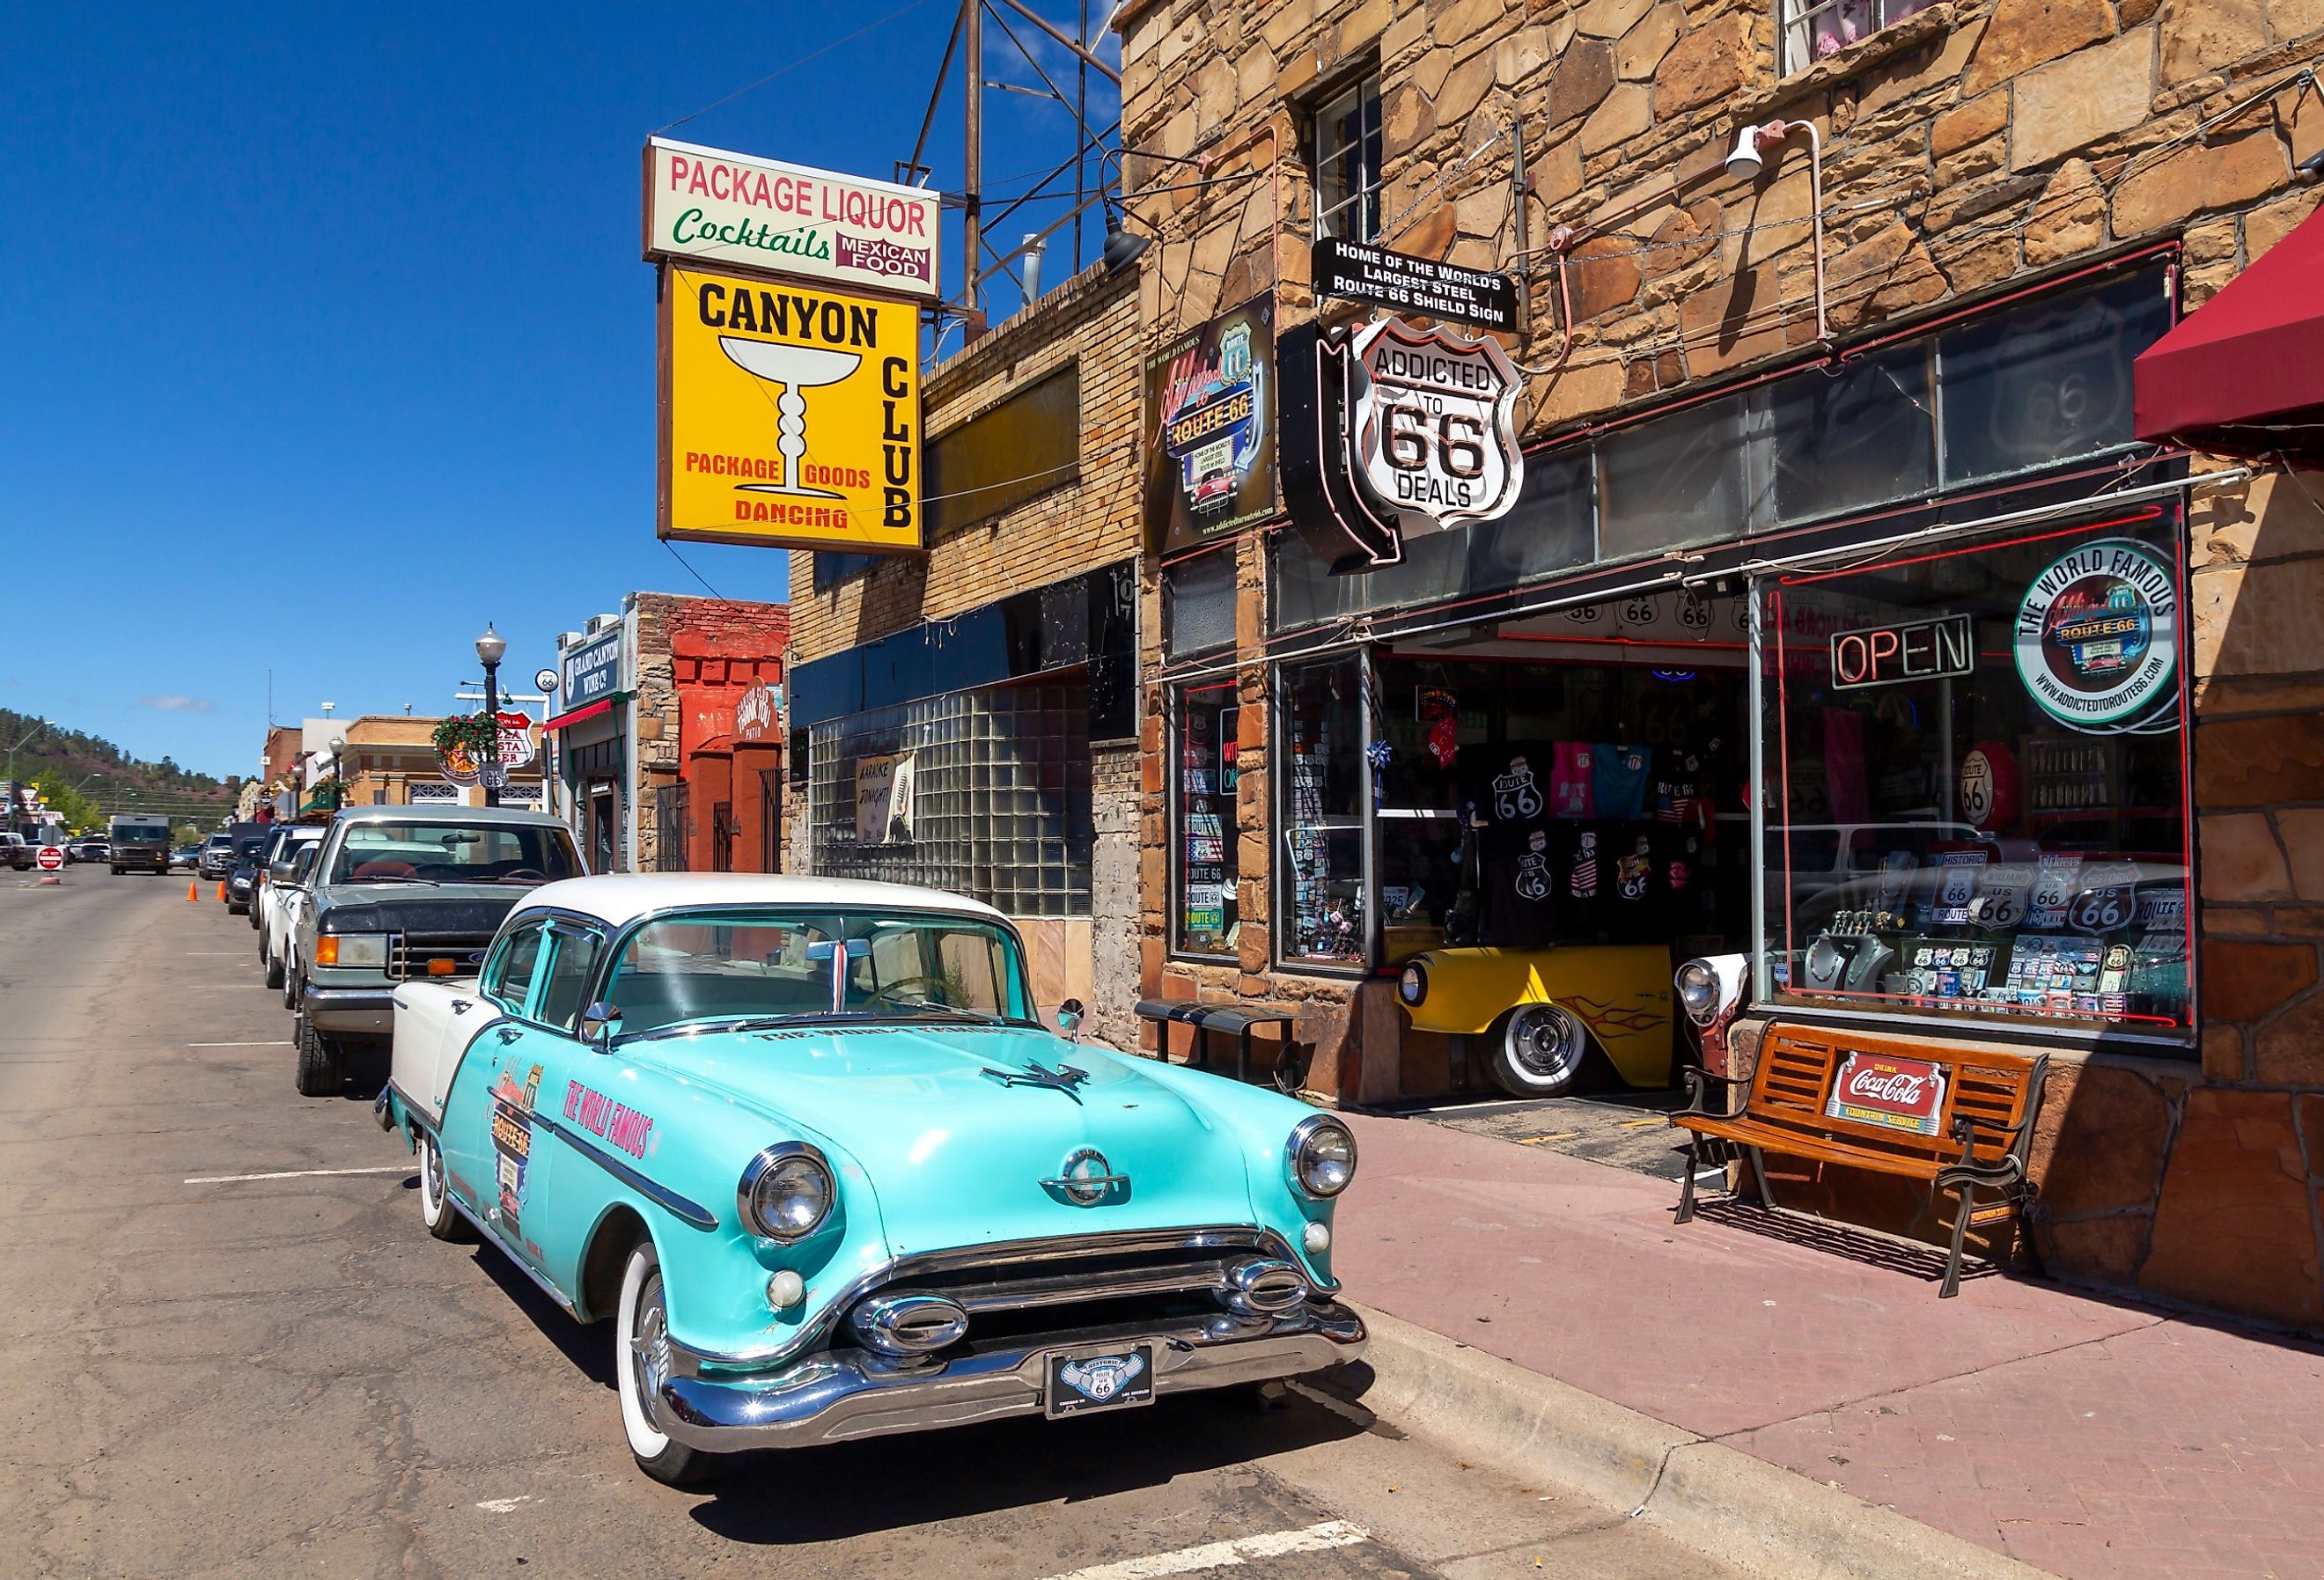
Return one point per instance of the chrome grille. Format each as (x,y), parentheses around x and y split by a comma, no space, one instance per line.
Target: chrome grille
(409,953)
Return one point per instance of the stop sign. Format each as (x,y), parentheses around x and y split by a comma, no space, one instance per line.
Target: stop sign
(52,858)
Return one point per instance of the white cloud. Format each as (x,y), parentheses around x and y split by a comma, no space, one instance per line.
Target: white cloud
(171,702)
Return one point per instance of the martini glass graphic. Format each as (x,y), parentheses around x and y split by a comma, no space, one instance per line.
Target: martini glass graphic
(794,368)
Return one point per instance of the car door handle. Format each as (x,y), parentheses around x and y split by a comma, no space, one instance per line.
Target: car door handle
(461,1006)
(507,1034)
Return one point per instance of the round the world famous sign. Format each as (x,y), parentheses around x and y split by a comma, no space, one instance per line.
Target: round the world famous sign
(2096,638)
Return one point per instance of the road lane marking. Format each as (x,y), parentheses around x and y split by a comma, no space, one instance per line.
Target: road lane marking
(272,1042)
(502,1505)
(1227,1554)
(295,1174)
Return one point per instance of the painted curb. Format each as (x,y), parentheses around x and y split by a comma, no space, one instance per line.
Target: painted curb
(1741,1509)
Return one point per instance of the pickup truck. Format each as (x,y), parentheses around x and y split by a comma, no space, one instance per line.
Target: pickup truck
(402,892)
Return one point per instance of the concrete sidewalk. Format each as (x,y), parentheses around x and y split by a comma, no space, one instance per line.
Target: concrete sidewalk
(2080,1434)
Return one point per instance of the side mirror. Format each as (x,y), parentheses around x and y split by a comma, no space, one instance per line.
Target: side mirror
(601,1023)
(1069,1018)
(281,871)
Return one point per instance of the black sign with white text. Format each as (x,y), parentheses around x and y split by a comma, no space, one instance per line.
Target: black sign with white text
(1416,286)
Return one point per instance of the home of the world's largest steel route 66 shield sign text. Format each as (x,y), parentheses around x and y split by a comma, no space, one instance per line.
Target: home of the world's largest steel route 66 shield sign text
(1434,424)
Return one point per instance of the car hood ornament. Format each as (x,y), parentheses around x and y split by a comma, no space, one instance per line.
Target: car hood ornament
(1063,1078)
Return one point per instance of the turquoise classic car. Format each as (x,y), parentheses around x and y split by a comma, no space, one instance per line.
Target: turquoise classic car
(809,1145)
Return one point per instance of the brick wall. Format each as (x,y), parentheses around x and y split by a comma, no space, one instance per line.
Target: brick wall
(1087,524)
(694,658)
(1973,147)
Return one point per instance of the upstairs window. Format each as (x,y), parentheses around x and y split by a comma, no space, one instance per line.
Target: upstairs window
(1347,153)
(1817,30)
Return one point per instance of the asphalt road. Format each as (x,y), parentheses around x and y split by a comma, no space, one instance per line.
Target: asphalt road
(210,1372)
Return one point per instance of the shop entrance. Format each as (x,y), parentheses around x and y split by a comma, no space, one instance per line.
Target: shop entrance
(1572,781)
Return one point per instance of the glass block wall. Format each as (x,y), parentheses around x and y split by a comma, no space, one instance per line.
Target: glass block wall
(1000,796)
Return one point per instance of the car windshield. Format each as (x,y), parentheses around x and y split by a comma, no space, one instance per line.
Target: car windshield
(451,852)
(132,834)
(779,966)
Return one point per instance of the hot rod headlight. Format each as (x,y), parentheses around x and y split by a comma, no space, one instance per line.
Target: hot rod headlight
(1413,986)
(1710,988)
(785,1193)
(351,949)
(1323,1156)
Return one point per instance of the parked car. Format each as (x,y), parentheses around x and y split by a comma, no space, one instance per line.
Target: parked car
(217,855)
(186,856)
(399,893)
(18,851)
(241,877)
(810,1146)
(284,892)
(89,849)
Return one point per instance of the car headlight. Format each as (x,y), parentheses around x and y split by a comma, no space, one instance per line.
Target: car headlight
(351,949)
(785,1193)
(1698,988)
(1321,1156)
(1413,986)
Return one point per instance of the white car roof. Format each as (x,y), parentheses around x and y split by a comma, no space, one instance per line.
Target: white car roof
(622,897)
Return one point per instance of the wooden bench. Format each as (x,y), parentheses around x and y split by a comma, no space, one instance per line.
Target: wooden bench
(1237,1018)
(1985,1123)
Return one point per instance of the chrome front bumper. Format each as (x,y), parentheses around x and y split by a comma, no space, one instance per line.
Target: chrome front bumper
(833,1397)
(361,1012)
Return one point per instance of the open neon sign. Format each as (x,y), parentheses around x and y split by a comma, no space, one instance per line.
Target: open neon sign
(1887,655)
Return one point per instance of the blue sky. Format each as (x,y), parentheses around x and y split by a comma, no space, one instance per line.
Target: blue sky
(329,340)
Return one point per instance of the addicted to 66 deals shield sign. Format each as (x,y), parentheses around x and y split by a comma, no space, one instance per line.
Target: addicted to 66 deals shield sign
(1434,424)
(2096,637)
(790,415)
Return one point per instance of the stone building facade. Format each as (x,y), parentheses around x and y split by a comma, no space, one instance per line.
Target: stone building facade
(1969,153)
(989,659)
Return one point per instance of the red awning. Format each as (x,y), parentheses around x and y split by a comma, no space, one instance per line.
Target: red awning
(2244,373)
(576,716)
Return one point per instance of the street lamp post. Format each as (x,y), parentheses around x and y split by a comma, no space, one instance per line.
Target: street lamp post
(8,813)
(490,648)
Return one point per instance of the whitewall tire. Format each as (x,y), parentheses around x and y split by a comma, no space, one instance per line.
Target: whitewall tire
(436,1209)
(642,1362)
(1539,1050)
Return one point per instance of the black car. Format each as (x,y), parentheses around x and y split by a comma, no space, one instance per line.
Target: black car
(241,877)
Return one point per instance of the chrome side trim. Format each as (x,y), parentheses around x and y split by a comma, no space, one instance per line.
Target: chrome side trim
(681,1207)
(836,1398)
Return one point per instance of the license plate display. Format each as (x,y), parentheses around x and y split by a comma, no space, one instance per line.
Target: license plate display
(1107,1379)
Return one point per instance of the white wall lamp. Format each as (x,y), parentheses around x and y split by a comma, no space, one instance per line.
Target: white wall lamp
(1753,144)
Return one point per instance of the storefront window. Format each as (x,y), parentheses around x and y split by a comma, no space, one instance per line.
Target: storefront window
(1321,779)
(1976,782)
(1202,813)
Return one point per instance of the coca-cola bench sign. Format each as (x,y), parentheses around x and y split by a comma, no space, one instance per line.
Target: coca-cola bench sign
(1897,1094)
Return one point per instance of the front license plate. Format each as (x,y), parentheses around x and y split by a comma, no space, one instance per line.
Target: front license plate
(1107,1379)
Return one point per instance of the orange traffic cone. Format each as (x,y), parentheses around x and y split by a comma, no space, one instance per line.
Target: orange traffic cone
(192,895)
(221,893)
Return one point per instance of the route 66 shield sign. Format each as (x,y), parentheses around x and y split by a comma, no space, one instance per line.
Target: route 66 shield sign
(1433,419)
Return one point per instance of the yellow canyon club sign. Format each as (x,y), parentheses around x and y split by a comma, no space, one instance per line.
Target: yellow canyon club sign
(790,415)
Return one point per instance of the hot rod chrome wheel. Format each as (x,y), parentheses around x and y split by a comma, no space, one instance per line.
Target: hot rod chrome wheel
(642,1365)
(436,1210)
(1541,1051)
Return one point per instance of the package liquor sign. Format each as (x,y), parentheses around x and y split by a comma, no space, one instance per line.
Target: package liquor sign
(790,416)
(1896,1094)
(1434,433)
(1211,457)
(721,207)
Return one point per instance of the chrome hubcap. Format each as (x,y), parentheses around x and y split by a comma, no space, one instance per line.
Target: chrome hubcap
(1547,1043)
(649,1348)
(431,1176)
